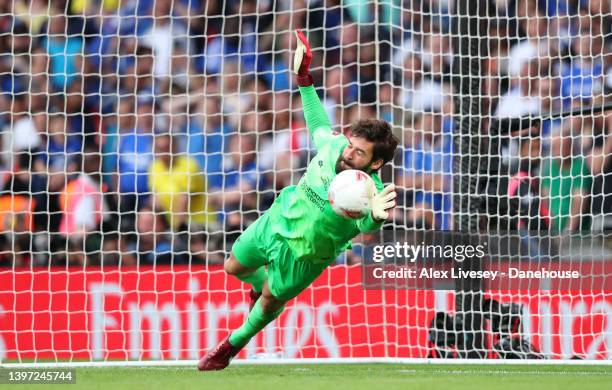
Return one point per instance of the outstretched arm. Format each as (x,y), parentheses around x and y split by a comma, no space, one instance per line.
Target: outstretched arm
(316,118)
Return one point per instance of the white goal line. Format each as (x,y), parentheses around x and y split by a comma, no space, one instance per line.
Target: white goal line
(284,361)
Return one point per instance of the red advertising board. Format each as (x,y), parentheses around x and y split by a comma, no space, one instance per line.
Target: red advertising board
(180,312)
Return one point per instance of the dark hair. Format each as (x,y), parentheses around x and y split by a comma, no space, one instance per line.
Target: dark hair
(379,132)
(142,50)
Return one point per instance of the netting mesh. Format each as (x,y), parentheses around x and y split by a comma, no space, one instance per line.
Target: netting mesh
(141,133)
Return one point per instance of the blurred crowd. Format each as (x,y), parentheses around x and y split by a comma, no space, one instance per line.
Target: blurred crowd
(154,132)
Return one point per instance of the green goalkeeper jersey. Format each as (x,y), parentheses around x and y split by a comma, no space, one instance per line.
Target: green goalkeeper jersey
(302,215)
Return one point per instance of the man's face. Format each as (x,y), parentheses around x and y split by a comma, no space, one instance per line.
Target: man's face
(561,145)
(163,148)
(358,154)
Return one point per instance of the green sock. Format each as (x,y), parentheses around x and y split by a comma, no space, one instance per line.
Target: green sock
(255,322)
(256,278)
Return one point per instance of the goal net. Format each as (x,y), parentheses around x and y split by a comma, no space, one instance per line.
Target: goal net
(139,138)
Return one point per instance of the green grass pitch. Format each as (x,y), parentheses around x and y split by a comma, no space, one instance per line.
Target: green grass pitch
(346,376)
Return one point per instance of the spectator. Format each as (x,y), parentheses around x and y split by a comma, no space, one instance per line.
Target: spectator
(40,173)
(414,17)
(259,96)
(65,53)
(238,39)
(144,63)
(351,55)
(338,93)
(566,183)
(582,75)
(419,92)
(521,206)
(103,244)
(39,88)
(18,205)
(207,137)
(34,13)
(178,187)
(349,45)
(425,172)
(523,98)
(528,210)
(134,158)
(327,14)
(138,78)
(366,72)
(286,136)
(536,44)
(239,198)
(17,51)
(179,192)
(496,65)
(436,56)
(154,245)
(82,205)
(79,126)
(386,96)
(89,7)
(284,152)
(549,91)
(122,122)
(23,132)
(167,38)
(234,102)
(599,160)
(274,57)
(60,159)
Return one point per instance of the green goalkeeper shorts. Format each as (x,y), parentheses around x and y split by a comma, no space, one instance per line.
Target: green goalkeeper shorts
(287,276)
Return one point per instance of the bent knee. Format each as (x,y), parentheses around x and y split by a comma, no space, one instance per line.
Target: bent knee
(232,266)
(235,268)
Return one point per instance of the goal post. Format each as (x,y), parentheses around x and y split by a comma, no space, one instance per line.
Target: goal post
(139,138)
(470,164)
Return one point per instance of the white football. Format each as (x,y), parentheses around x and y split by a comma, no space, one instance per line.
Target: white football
(350,193)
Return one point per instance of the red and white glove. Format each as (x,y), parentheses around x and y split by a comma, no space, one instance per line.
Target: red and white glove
(302,60)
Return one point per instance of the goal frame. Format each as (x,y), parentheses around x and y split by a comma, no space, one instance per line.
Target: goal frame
(315,361)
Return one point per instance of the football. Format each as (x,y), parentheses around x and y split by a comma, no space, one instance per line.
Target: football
(350,193)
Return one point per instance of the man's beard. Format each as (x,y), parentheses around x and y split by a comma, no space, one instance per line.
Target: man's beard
(343,167)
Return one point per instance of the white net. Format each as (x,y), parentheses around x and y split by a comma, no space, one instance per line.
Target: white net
(141,137)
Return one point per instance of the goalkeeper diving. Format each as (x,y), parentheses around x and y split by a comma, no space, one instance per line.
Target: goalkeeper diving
(300,235)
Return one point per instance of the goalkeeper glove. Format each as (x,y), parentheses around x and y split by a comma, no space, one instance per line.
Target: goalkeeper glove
(302,60)
(383,202)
